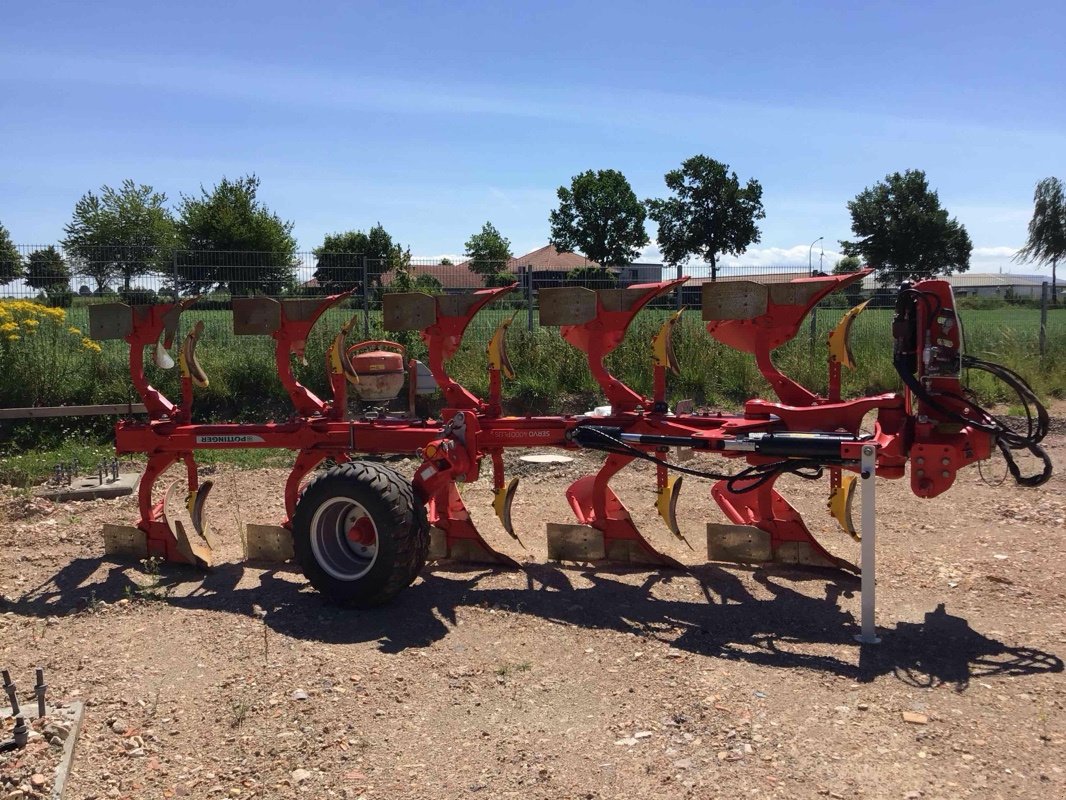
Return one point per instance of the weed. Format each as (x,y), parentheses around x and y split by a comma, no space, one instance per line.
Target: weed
(151,706)
(239,708)
(504,670)
(153,589)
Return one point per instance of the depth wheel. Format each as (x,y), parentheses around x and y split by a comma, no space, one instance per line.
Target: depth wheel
(359,534)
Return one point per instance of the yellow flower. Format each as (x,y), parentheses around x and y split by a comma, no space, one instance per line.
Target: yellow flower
(32,323)
(75,331)
(13,337)
(90,345)
(8,327)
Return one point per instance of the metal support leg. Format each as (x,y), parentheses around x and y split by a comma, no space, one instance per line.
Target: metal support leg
(868,465)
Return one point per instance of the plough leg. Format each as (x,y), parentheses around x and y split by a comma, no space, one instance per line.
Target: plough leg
(767,528)
(166,536)
(596,505)
(458,539)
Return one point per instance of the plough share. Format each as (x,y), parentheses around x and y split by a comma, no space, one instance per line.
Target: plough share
(362,531)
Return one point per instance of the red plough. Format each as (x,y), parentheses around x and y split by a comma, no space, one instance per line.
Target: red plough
(361,531)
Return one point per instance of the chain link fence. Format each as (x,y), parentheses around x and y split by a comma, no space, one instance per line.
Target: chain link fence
(1006,317)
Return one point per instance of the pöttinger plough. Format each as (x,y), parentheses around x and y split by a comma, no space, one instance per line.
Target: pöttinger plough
(362,532)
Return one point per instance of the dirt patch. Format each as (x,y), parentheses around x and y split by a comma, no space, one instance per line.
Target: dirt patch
(558,682)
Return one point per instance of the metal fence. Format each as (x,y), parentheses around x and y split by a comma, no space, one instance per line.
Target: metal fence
(997,309)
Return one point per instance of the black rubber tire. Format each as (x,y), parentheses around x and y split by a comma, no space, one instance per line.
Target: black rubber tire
(402,532)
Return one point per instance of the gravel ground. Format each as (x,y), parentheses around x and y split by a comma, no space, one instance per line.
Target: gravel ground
(561,682)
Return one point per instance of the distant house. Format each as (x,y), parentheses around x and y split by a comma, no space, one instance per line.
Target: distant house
(548,265)
(983,284)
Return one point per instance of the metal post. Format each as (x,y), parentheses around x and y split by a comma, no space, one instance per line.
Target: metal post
(40,689)
(814,330)
(1043,318)
(366,299)
(868,475)
(529,298)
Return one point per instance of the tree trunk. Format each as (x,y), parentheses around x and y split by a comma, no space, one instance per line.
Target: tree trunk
(714,269)
(1054,288)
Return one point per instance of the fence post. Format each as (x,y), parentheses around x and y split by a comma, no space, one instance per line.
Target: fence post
(366,298)
(814,329)
(678,289)
(1043,318)
(529,298)
(174,270)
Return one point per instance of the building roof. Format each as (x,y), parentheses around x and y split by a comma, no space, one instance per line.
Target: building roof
(544,259)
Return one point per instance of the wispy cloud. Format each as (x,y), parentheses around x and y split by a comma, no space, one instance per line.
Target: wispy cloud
(599,106)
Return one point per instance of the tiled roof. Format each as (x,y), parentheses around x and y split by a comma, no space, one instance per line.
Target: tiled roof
(545,259)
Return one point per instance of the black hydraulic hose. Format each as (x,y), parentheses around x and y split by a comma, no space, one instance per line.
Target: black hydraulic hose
(1007,440)
(747,480)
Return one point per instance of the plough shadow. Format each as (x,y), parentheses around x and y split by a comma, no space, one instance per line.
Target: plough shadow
(789,629)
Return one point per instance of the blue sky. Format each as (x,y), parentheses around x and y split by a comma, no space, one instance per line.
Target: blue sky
(434,117)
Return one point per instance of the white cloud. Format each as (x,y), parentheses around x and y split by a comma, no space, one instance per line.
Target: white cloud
(996,258)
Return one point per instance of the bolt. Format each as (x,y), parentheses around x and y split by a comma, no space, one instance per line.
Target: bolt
(867,451)
(21,731)
(919,460)
(921,472)
(945,474)
(9,687)
(945,461)
(40,688)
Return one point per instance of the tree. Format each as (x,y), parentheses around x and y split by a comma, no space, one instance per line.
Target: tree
(46,269)
(121,233)
(709,214)
(234,241)
(847,265)
(1047,229)
(10,260)
(592,278)
(905,234)
(488,252)
(342,258)
(601,217)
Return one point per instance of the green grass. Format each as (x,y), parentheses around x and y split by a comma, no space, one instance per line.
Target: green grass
(34,464)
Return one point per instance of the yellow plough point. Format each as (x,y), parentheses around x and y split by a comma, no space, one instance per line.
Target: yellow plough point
(337,358)
(190,367)
(501,504)
(662,344)
(840,337)
(497,349)
(666,504)
(841,499)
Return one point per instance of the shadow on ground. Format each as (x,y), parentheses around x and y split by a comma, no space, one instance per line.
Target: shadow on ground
(788,629)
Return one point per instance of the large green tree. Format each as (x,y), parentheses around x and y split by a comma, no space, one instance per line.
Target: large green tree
(47,269)
(904,233)
(347,259)
(709,213)
(601,217)
(10,259)
(1047,229)
(120,234)
(229,239)
(489,252)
